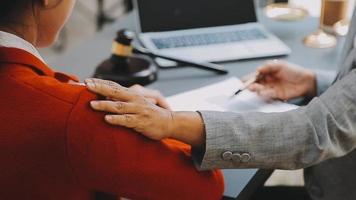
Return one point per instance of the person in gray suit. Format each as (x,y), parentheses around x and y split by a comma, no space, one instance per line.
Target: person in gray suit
(319,137)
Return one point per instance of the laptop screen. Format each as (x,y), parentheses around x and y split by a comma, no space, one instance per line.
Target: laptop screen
(168,15)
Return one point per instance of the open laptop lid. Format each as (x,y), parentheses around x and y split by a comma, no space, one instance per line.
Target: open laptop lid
(171,15)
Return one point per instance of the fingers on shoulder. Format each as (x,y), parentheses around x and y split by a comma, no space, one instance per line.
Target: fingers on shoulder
(116,107)
(127,120)
(109,89)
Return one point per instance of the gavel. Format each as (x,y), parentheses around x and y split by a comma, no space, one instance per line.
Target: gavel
(124,47)
(129,64)
(125,67)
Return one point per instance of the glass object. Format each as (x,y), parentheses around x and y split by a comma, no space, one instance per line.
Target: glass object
(335,11)
(341,27)
(284,10)
(320,39)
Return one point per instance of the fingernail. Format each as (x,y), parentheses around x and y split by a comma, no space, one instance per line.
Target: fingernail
(94,104)
(108,117)
(90,84)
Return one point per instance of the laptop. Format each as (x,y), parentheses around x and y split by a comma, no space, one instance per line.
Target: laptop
(205,30)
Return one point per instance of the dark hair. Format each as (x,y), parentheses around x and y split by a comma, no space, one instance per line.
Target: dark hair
(12,9)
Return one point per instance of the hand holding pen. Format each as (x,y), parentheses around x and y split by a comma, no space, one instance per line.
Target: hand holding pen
(282,80)
(251,80)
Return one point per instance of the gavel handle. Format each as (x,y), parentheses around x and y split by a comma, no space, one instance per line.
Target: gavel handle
(205,66)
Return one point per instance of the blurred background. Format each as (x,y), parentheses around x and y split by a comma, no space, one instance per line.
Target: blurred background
(92,15)
(88,18)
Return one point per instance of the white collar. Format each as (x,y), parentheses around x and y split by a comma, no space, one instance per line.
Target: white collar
(14,41)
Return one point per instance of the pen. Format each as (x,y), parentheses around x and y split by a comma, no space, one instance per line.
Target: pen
(205,66)
(249,82)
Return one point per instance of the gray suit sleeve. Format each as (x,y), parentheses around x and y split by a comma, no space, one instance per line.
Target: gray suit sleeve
(324,129)
(324,79)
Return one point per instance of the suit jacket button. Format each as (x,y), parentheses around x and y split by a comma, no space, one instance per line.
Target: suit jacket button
(245,157)
(227,155)
(236,157)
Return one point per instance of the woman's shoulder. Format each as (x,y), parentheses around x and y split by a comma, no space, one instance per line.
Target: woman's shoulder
(32,75)
(50,87)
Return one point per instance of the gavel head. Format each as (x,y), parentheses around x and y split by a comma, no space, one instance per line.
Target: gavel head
(122,46)
(124,66)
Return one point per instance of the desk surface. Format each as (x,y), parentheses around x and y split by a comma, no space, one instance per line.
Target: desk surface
(83,59)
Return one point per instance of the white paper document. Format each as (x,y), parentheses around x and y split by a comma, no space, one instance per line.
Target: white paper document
(217,97)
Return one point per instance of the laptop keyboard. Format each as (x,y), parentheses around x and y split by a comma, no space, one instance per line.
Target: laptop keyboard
(208,38)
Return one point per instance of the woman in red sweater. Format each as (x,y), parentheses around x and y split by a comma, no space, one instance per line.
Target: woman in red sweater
(53,146)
